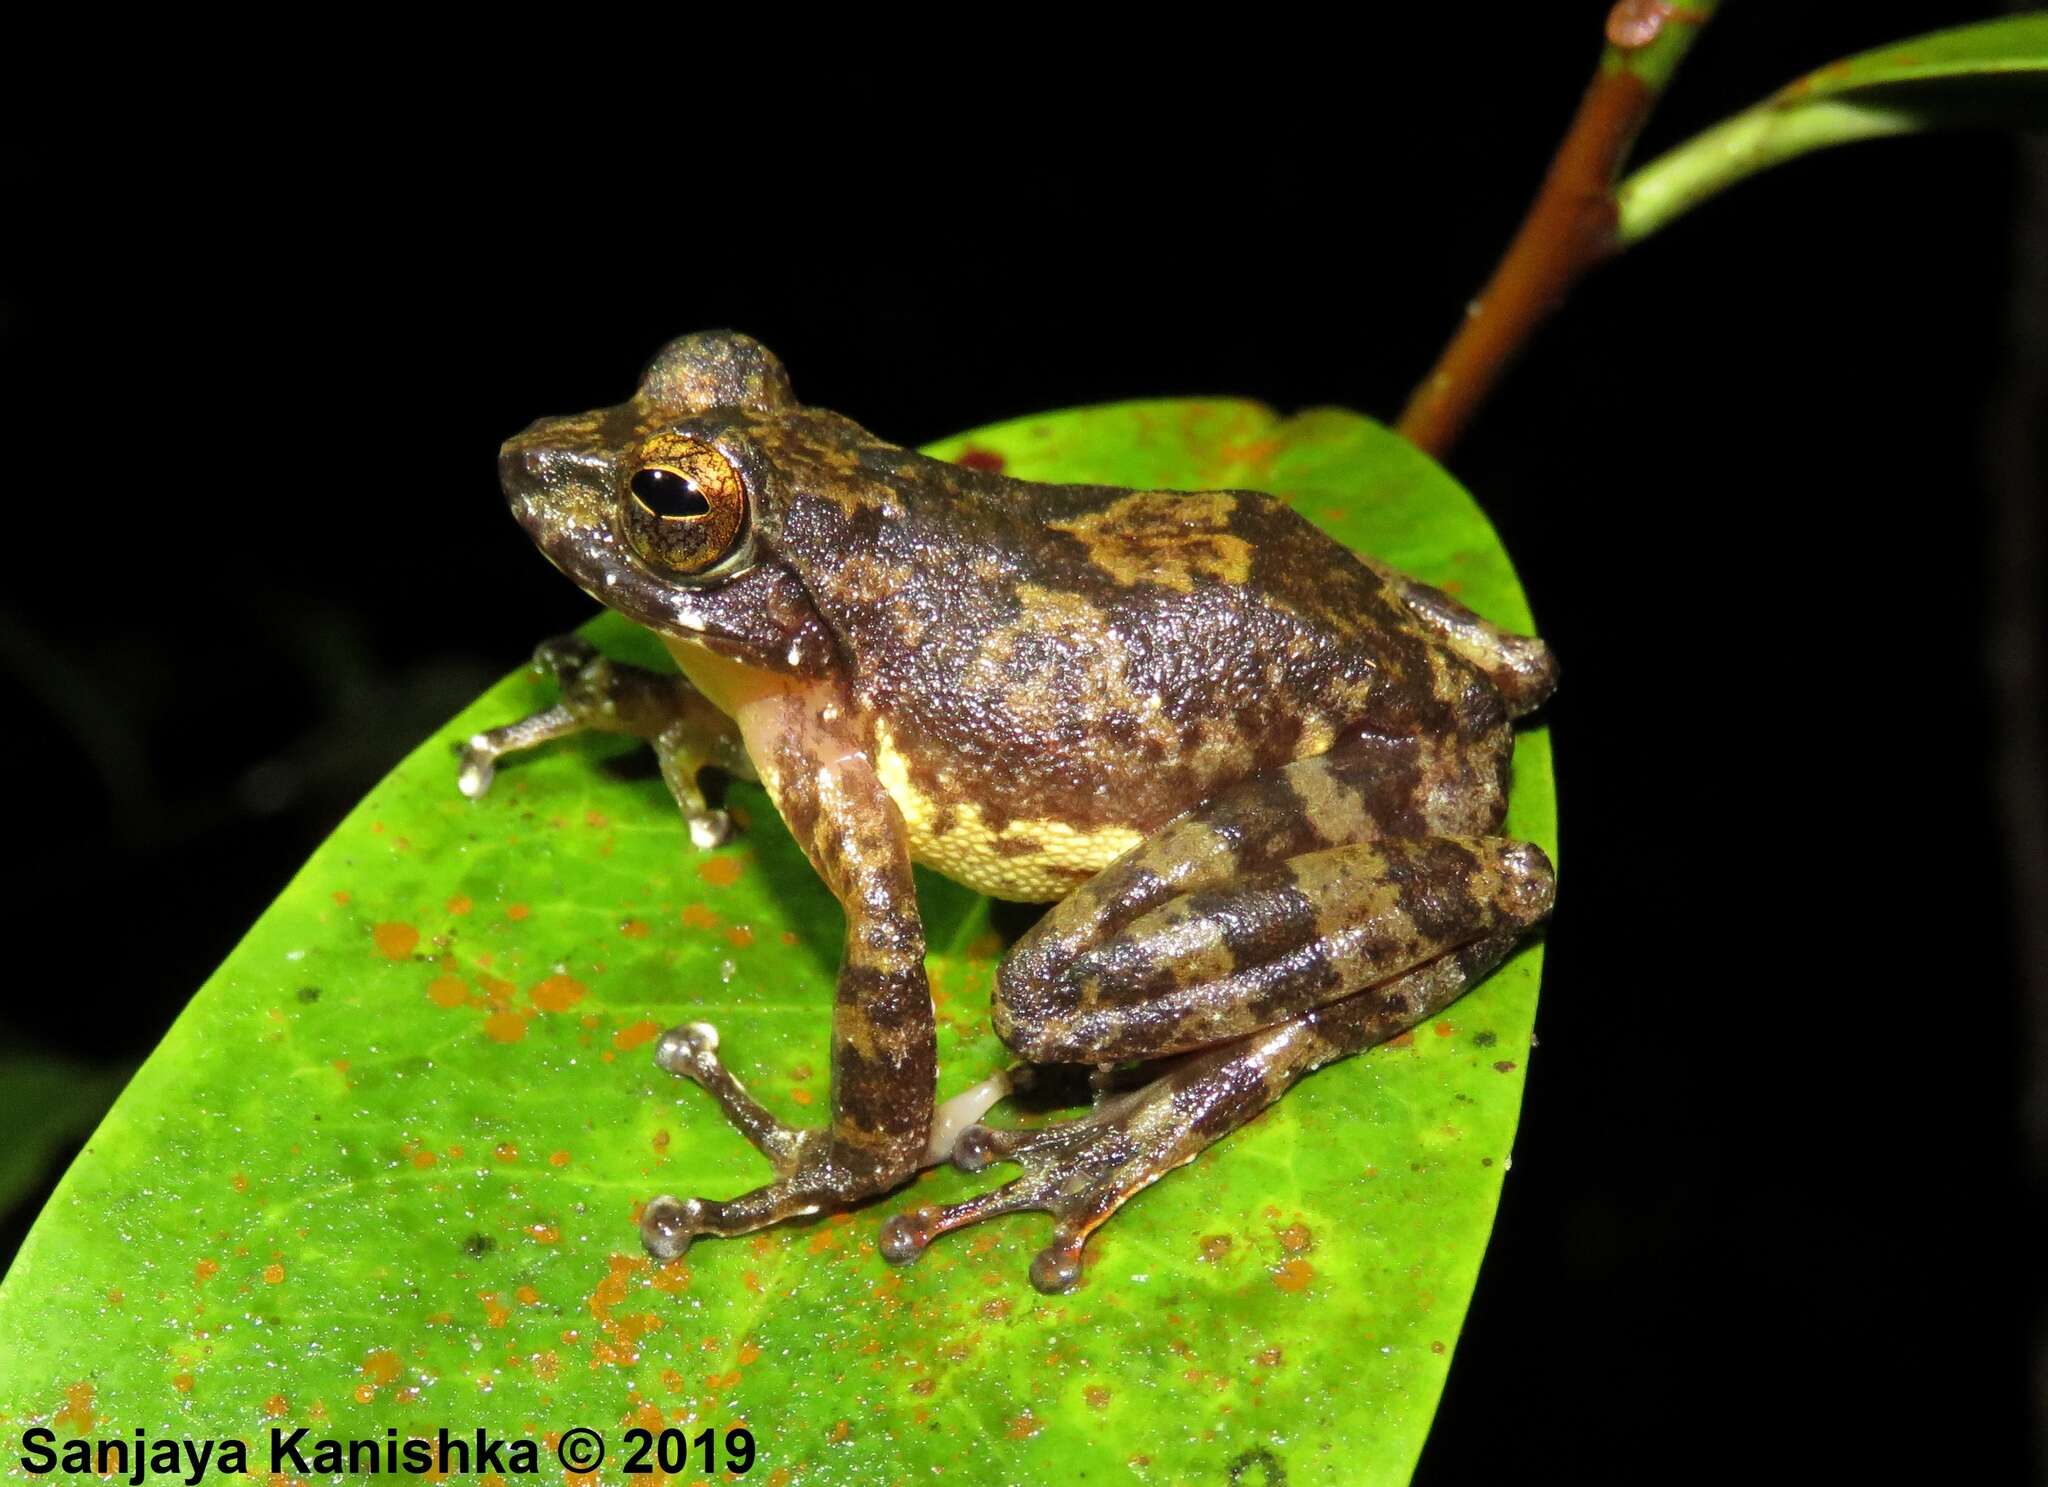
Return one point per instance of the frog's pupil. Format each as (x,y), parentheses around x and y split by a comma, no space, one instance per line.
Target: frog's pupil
(666,493)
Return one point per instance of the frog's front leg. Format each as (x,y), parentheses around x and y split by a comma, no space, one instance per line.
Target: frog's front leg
(685,731)
(884,1034)
(1265,935)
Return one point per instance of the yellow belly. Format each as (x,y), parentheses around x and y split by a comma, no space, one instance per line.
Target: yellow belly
(1033,861)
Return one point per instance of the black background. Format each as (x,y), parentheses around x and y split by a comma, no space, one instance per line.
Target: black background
(1768,1212)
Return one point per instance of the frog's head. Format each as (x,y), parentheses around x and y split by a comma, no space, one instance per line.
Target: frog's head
(664,507)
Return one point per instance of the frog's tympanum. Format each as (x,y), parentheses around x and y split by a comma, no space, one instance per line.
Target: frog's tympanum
(1260,779)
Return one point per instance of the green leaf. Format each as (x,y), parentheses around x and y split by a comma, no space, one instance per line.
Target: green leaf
(384,1169)
(1990,73)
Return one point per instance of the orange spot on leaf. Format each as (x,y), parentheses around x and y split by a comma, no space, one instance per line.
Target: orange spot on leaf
(505,1027)
(77,1414)
(395,941)
(722,872)
(646,1030)
(558,993)
(1293,1275)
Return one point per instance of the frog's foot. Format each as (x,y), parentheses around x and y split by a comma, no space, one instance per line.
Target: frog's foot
(811,1175)
(686,732)
(1082,1171)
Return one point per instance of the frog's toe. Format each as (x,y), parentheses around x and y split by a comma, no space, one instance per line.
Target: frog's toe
(688,1049)
(667,1225)
(709,829)
(979,1145)
(477,768)
(1055,1268)
(1080,1172)
(564,655)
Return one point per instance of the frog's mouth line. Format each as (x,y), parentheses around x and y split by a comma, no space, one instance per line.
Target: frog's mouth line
(624,585)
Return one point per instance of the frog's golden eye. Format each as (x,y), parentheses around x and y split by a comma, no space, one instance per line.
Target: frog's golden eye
(685,506)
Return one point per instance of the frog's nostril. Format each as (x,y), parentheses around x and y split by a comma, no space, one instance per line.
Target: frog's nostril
(518,464)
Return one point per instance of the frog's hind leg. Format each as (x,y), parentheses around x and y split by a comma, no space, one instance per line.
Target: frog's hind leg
(685,731)
(1082,1171)
(1262,935)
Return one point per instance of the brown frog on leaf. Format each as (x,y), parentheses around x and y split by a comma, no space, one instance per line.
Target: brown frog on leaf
(1260,779)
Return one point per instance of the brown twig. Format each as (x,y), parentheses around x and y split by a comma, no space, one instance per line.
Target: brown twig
(1570,225)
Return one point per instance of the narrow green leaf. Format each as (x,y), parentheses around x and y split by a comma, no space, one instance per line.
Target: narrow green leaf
(1995,72)
(383,1171)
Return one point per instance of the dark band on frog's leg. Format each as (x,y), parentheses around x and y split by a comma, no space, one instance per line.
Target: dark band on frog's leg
(1082,1171)
(1221,962)
(1365,788)
(685,731)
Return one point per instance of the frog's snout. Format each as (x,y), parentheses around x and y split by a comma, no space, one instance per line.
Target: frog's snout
(551,455)
(518,464)
(528,466)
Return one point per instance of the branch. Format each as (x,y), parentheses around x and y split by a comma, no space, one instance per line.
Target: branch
(1571,224)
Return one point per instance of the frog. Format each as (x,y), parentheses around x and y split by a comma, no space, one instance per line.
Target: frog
(1259,779)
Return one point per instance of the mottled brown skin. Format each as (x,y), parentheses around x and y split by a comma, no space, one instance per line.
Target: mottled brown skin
(1263,779)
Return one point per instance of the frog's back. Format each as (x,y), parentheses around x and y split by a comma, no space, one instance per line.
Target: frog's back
(1056,671)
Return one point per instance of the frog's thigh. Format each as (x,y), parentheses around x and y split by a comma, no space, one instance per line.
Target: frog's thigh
(1289,891)
(1216,964)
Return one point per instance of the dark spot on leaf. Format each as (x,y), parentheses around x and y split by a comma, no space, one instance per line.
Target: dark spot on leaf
(1485,1039)
(309,993)
(1270,1474)
(478,1245)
